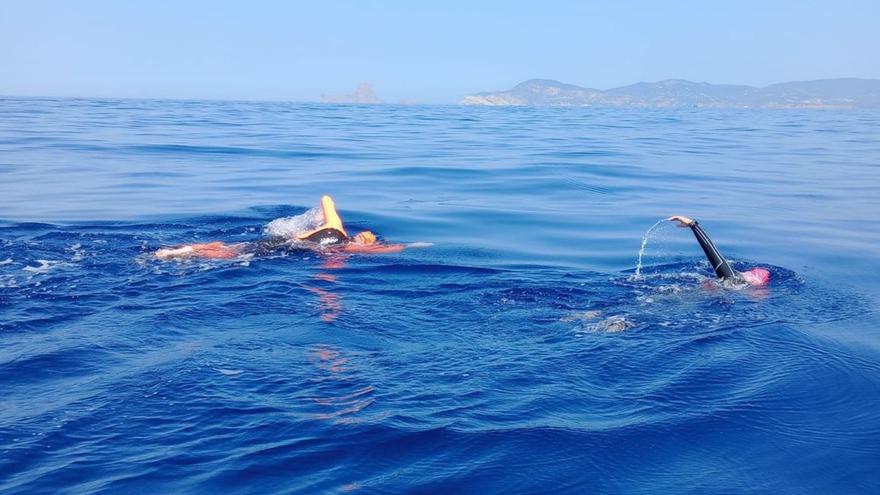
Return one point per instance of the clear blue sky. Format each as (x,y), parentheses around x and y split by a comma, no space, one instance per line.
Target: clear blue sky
(431,52)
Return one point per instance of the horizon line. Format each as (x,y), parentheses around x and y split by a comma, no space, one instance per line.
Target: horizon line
(416,103)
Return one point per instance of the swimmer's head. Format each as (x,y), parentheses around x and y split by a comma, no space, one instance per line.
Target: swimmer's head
(366,238)
(757,276)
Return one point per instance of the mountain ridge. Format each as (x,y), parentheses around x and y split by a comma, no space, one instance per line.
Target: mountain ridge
(819,93)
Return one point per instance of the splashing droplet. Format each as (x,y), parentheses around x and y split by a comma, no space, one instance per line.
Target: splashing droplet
(645,246)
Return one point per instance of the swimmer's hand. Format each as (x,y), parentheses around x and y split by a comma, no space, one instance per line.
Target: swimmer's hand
(171,253)
(682,221)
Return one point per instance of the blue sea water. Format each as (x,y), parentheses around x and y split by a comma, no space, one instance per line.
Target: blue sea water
(516,354)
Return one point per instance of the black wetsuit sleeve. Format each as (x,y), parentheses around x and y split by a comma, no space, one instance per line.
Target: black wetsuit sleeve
(719,263)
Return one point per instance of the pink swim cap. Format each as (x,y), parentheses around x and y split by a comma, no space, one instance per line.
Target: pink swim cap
(757,276)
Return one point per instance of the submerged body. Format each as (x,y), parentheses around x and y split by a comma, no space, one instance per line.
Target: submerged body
(330,234)
(723,270)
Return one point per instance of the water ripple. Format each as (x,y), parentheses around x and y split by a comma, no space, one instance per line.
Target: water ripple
(519,352)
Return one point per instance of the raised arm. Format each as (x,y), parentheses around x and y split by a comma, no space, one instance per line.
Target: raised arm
(719,263)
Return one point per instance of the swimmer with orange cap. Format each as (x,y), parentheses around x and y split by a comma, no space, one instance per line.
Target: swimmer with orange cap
(329,236)
(754,277)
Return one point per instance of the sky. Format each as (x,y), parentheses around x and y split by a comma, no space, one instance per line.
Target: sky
(432,52)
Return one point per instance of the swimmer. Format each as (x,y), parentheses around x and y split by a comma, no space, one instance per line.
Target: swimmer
(330,236)
(755,276)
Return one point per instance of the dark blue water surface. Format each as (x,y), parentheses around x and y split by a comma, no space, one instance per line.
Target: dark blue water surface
(517,354)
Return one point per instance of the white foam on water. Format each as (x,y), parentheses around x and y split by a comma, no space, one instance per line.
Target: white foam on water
(45,266)
(590,322)
(7,261)
(290,227)
(612,324)
(581,316)
(77,251)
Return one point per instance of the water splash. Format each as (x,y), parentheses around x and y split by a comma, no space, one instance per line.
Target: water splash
(645,246)
(45,266)
(289,227)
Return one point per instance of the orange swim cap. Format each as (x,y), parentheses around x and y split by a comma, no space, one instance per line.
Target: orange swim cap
(366,237)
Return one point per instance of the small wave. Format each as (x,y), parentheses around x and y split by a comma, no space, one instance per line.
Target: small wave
(229,372)
(226,150)
(592,323)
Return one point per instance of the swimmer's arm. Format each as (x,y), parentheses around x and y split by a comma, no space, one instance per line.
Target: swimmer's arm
(354,247)
(366,242)
(716,259)
(210,250)
(174,253)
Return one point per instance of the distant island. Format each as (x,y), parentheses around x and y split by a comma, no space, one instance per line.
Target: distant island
(825,93)
(363,94)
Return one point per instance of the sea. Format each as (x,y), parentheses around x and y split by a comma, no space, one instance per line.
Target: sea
(511,348)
